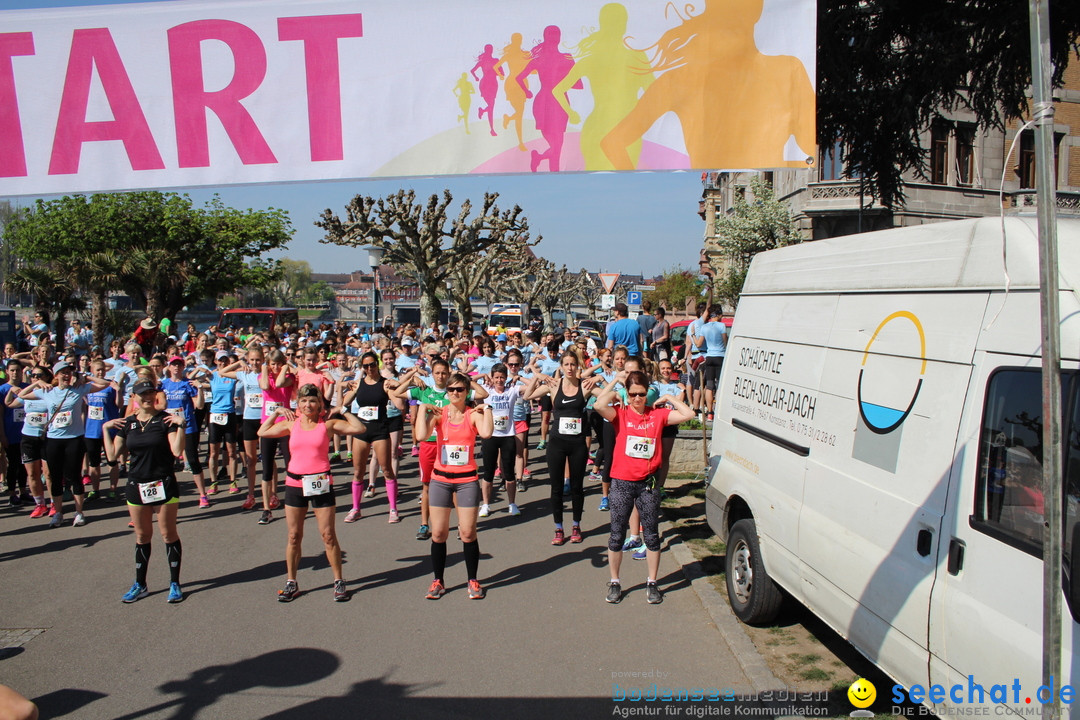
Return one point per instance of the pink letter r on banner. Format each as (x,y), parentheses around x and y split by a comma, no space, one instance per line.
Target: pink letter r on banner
(320,35)
(190,100)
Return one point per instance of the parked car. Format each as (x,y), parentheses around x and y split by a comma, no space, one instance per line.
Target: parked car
(594,329)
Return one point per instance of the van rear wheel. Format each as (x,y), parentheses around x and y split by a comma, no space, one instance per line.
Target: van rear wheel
(755,598)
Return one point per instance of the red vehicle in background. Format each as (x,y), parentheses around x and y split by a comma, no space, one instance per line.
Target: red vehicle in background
(678,334)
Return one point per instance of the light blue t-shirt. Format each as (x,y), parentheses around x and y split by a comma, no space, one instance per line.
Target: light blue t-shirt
(715,334)
(222,394)
(252,395)
(66,408)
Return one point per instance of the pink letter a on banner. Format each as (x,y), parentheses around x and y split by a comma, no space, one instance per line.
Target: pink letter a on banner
(12,152)
(90,48)
(190,99)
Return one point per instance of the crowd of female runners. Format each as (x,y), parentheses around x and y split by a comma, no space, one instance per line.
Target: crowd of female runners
(142,409)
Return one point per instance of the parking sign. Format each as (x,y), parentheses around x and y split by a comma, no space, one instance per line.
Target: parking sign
(633,297)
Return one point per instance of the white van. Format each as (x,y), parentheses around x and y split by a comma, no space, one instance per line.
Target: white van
(877,451)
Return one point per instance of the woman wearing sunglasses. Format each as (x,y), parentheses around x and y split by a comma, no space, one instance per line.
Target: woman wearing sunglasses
(454,482)
(636,458)
(368,396)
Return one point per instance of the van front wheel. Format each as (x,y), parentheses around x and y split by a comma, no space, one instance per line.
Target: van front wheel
(754,597)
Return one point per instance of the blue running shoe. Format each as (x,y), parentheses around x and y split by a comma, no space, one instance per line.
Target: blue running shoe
(603,503)
(632,543)
(137,592)
(639,554)
(175,593)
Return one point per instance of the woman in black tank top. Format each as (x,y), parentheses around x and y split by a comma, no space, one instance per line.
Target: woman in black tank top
(568,447)
(369,395)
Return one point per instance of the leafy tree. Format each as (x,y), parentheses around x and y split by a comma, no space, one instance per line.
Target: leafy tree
(886,68)
(677,287)
(417,242)
(756,225)
(158,247)
(55,287)
(293,284)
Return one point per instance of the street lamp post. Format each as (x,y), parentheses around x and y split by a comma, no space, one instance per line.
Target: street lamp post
(375,255)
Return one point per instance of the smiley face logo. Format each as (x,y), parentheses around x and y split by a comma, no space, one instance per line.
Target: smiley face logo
(862,693)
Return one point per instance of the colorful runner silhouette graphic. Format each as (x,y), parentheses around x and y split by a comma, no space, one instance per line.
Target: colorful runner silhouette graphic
(489,84)
(515,58)
(464,90)
(551,65)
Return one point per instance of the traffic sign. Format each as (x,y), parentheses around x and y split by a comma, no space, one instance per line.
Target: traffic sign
(608,280)
(633,297)
(607,302)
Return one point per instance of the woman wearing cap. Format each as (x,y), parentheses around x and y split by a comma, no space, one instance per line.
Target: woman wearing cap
(64,429)
(153,438)
(277,384)
(182,397)
(251,417)
(454,481)
(308,479)
(222,421)
(638,428)
(33,440)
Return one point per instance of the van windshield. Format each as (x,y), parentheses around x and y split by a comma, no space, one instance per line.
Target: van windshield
(244,320)
(506,320)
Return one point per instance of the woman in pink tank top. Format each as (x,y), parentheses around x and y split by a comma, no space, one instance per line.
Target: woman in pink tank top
(308,480)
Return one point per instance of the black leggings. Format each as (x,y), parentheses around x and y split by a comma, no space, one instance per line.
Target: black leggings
(64,457)
(191,452)
(268,448)
(559,451)
(16,472)
(608,448)
(624,496)
(490,450)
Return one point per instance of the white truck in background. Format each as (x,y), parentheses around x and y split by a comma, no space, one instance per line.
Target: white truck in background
(877,453)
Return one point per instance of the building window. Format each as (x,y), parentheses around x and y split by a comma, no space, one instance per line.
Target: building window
(832,163)
(939,153)
(965,154)
(1026,170)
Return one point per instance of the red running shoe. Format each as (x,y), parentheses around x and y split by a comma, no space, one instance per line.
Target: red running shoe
(559,538)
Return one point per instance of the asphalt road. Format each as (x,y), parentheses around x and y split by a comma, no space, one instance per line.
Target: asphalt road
(542,644)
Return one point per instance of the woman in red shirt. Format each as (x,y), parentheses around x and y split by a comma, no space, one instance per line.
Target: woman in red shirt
(636,459)
(454,482)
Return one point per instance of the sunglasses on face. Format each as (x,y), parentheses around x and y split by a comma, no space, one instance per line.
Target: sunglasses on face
(455,389)
(367,365)
(638,394)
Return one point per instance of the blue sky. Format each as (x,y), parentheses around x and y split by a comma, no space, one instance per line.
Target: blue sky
(640,223)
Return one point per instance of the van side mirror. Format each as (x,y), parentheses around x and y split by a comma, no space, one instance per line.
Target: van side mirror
(1072,591)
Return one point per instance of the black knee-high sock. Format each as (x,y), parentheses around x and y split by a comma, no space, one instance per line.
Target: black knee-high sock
(142,559)
(173,551)
(438,559)
(472,558)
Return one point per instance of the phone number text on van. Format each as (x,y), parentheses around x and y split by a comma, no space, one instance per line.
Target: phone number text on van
(792,401)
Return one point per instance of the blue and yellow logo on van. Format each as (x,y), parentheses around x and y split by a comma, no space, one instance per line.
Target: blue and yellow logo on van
(890,380)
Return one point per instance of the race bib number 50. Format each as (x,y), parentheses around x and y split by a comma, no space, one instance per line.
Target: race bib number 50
(315,485)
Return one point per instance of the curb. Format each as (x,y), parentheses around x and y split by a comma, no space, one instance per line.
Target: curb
(738,642)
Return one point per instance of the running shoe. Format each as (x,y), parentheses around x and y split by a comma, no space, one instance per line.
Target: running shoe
(274,502)
(57,520)
(632,543)
(475,591)
(653,596)
(15,500)
(394,517)
(604,503)
(248,503)
(575,534)
(52,510)
(91,496)
(78,520)
(348,456)
(212,489)
(39,511)
(233,488)
(485,510)
(137,592)
(400,452)
(290,592)
(526,474)
(204,502)
(175,593)
(614,592)
(370,492)
(513,509)
(266,517)
(542,445)
(566,488)
(86,480)
(353,515)
(424,533)
(596,476)
(498,472)
(335,456)
(559,538)
(340,593)
(112,496)
(436,590)
(415,451)
(131,524)
(592,454)
(640,553)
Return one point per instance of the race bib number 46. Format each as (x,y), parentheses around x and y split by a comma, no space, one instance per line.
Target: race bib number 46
(455,455)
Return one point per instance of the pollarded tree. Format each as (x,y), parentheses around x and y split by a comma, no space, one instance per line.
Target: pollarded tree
(418,243)
(508,260)
(756,225)
(556,286)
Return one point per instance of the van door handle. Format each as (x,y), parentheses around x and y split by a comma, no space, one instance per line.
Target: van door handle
(924,542)
(956,557)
